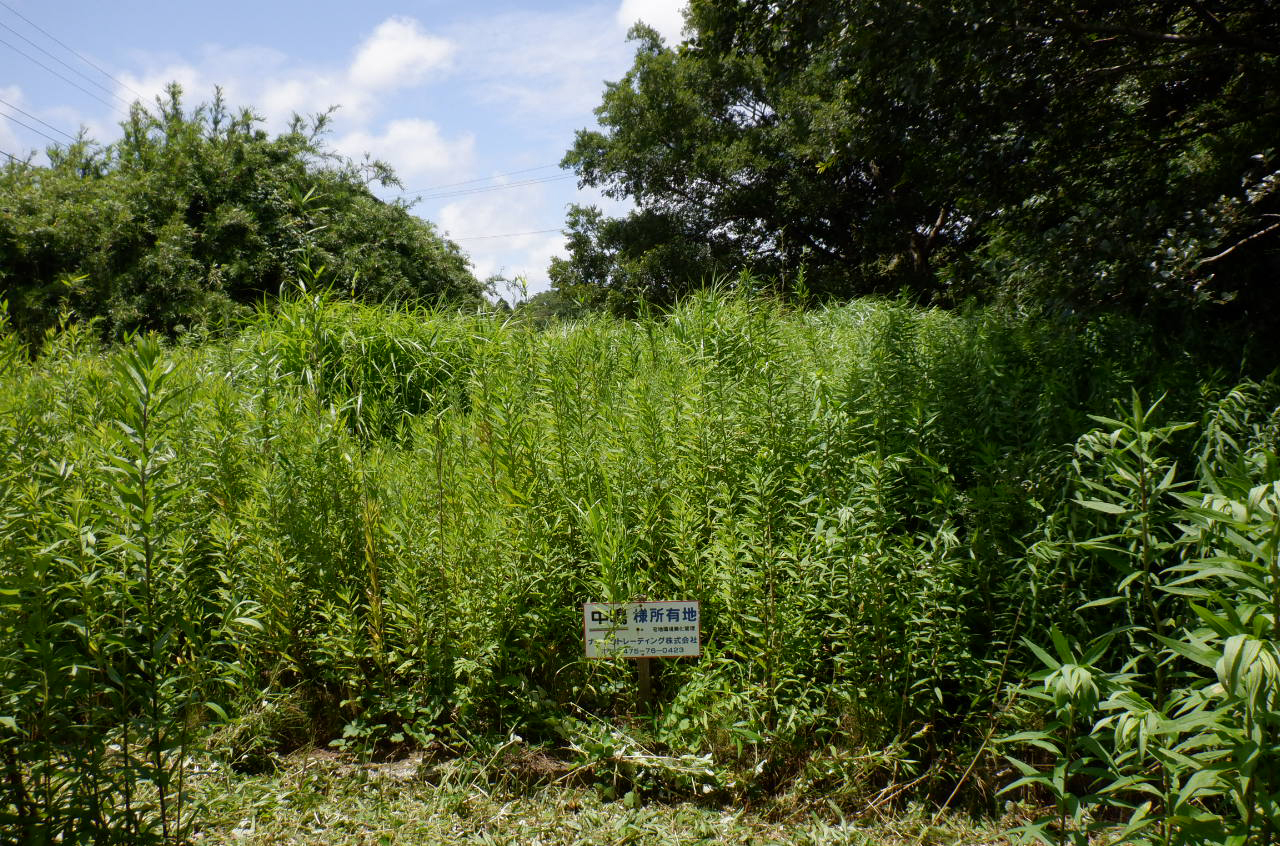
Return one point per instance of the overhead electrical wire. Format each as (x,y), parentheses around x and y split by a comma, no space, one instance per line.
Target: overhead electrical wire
(30,127)
(66,47)
(469,181)
(60,76)
(463,192)
(92,82)
(505,235)
(36,119)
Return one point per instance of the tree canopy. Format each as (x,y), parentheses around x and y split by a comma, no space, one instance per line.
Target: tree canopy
(196,213)
(1086,153)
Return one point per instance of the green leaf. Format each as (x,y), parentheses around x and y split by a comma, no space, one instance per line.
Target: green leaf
(1061,645)
(1045,657)
(1104,507)
(1096,651)
(1204,655)
(1101,603)
(1037,780)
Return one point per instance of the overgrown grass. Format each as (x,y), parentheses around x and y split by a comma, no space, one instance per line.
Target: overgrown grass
(374,529)
(322,800)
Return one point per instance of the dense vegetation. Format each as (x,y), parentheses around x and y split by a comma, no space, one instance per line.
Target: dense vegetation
(1026,549)
(194,216)
(374,527)
(1051,154)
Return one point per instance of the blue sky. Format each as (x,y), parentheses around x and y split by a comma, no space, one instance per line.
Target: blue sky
(473,103)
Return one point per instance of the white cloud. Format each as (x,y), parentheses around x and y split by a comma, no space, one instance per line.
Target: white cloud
(43,126)
(265,79)
(416,148)
(547,65)
(516,211)
(538,257)
(9,141)
(10,144)
(304,96)
(663,15)
(152,82)
(542,65)
(398,54)
(72,120)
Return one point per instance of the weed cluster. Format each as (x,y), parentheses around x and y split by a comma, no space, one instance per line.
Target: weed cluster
(374,529)
(1166,714)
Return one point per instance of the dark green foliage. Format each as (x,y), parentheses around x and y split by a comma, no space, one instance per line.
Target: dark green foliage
(553,306)
(1171,718)
(195,215)
(1081,154)
(621,265)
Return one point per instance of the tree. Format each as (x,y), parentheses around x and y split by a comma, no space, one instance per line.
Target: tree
(1091,153)
(650,256)
(194,215)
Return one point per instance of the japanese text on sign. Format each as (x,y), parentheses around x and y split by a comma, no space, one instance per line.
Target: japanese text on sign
(642,629)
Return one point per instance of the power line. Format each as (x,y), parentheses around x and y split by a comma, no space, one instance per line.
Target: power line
(59,76)
(73,52)
(467,181)
(64,64)
(12,157)
(462,192)
(505,235)
(32,128)
(484,189)
(36,119)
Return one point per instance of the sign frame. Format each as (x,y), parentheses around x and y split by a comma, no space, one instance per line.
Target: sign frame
(676,630)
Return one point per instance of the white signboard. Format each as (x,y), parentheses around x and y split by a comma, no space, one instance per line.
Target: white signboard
(642,629)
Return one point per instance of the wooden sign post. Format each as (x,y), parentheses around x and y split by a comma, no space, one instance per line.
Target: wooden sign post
(646,686)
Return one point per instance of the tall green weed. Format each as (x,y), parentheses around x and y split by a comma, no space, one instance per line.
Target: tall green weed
(375,528)
(1171,718)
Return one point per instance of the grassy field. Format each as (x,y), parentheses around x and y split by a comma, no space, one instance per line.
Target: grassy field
(371,530)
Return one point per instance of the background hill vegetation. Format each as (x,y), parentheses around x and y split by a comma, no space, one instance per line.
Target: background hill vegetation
(1062,155)
(194,216)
